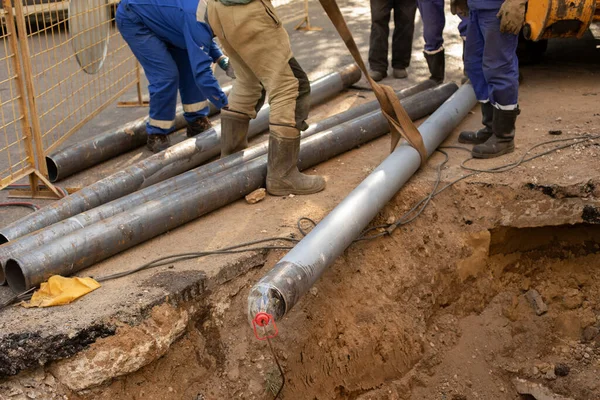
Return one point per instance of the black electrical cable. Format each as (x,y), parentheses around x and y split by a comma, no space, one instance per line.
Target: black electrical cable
(20,204)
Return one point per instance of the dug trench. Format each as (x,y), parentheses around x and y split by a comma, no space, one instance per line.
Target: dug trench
(491,283)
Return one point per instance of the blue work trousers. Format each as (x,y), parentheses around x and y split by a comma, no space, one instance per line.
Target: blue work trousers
(434,20)
(167,68)
(491,60)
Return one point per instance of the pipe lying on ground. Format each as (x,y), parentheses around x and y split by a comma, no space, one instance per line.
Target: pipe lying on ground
(107,145)
(84,247)
(132,200)
(212,142)
(281,288)
(188,154)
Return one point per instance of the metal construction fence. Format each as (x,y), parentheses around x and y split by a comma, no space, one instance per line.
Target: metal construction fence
(61,64)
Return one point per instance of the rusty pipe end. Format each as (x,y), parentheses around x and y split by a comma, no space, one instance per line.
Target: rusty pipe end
(52,169)
(350,75)
(15,277)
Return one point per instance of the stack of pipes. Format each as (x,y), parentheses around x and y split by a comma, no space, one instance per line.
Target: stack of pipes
(154,196)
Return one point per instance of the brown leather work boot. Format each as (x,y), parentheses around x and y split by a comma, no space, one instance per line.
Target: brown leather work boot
(198,126)
(158,143)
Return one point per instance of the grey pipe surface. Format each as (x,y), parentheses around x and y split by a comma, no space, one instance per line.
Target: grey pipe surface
(283,286)
(185,155)
(132,200)
(87,153)
(84,247)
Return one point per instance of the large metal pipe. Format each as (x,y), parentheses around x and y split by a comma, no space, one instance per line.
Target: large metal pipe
(185,155)
(132,200)
(211,142)
(84,247)
(281,288)
(87,153)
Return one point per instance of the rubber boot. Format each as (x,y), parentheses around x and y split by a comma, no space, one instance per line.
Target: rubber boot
(437,65)
(283,176)
(158,143)
(198,126)
(234,132)
(483,134)
(503,140)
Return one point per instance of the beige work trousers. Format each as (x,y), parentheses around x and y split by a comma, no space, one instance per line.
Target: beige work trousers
(259,49)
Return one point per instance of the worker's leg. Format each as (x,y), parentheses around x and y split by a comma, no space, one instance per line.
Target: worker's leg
(254,34)
(402,39)
(160,69)
(247,95)
(501,70)
(434,20)
(500,63)
(462,31)
(195,105)
(474,46)
(380,32)
(474,57)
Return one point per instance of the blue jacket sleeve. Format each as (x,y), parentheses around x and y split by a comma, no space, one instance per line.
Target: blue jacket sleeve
(215,52)
(198,39)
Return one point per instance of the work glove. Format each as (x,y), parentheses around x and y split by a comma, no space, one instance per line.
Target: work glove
(459,7)
(512,16)
(226,66)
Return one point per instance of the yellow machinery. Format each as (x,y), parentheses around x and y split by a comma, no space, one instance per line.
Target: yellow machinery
(559,18)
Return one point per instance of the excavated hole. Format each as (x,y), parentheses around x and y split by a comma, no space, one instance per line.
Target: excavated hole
(437,311)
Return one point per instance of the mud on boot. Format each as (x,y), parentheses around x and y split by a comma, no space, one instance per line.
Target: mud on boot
(283,176)
(483,134)
(503,140)
(158,143)
(234,132)
(198,126)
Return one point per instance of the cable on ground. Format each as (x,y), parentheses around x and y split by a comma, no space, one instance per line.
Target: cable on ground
(20,204)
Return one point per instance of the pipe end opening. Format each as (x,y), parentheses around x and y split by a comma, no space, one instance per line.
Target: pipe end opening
(14,276)
(52,169)
(3,239)
(2,277)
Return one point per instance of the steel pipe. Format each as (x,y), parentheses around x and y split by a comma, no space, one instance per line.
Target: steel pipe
(84,247)
(87,153)
(211,143)
(132,200)
(188,154)
(282,287)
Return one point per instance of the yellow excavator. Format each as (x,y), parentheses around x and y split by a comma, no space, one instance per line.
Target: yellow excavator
(547,19)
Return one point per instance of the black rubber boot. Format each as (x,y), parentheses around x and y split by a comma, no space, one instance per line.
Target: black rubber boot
(158,143)
(503,140)
(283,176)
(483,134)
(198,126)
(234,132)
(437,65)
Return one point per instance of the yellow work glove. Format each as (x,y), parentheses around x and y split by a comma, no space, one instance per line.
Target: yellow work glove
(512,16)
(459,7)
(60,290)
